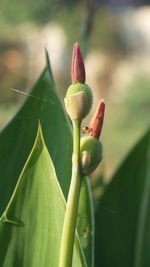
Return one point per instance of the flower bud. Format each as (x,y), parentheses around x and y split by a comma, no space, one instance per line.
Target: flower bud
(78,101)
(91,154)
(96,123)
(78,69)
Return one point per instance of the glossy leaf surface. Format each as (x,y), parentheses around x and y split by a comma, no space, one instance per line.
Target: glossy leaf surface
(17,138)
(31,226)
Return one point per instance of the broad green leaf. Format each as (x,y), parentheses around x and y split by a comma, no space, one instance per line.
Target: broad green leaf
(123,217)
(17,138)
(31,226)
(85,222)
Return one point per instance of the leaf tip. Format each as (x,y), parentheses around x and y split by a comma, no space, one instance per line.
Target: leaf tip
(39,142)
(47,56)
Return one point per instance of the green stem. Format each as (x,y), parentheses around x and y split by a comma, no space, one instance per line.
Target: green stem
(68,234)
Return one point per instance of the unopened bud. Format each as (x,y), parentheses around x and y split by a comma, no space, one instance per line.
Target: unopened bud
(96,123)
(78,69)
(78,101)
(91,154)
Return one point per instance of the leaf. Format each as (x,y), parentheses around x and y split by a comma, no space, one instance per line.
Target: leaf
(17,138)
(85,222)
(31,226)
(122,219)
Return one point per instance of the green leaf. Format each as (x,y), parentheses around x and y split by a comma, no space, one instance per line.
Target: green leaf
(123,217)
(31,226)
(85,221)
(17,138)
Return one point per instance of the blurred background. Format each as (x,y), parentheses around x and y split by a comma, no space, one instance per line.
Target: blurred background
(114,36)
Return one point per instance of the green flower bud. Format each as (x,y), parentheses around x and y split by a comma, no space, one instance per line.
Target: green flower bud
(91,154)
(78,101)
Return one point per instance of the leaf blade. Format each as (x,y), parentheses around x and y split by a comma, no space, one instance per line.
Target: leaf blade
(31,225)
(85,221)
(119,207)
(16,145)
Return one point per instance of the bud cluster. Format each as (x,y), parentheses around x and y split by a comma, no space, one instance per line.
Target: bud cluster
(78,103)
(79,96)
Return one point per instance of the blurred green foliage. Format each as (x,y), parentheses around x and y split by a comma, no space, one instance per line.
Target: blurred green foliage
(40,11)
(126,121)
(139,95)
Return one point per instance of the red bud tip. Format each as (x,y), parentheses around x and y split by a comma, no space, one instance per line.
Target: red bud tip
(96,122)
(78,69)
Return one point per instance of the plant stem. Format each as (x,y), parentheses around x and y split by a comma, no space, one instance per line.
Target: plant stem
(68,234)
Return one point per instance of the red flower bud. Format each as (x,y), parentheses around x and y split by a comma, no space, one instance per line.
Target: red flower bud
(96,122)
(78,69)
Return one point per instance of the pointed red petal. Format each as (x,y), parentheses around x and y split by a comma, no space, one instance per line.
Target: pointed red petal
(78,69)
(96,123)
